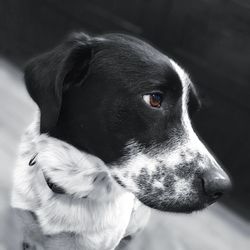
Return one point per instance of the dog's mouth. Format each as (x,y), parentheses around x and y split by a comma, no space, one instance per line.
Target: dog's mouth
(176,206)
(168,199)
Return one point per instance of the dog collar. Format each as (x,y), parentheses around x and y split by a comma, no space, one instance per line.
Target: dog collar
(53,187)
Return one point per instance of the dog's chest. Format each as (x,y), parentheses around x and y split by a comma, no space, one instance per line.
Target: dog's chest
(101,228)
(66,223)
(70,220)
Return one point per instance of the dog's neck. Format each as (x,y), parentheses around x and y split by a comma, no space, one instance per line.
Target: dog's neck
(93,207)
(63,170)
(85,179)
(75,173)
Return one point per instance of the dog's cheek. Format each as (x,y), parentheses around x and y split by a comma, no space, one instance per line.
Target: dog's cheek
(156,186)
(166,186)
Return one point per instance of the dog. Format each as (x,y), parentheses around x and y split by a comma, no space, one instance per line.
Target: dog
(112,139)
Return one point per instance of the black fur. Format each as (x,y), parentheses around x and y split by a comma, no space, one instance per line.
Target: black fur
(90,94)
(69,84)
(49,75)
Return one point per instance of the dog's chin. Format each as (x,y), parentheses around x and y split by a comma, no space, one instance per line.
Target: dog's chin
(177,206)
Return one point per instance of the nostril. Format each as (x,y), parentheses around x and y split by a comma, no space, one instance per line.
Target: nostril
(215,184)
(210,191)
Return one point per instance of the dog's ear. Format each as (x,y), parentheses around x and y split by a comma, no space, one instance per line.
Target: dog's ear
(49,75)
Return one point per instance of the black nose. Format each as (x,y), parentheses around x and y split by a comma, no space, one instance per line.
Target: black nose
(215,183)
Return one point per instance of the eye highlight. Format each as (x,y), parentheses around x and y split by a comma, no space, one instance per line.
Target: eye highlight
(154,100)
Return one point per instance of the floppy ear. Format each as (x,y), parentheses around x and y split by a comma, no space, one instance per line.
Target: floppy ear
(49,75)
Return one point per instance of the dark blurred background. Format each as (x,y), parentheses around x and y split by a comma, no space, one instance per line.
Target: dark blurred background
(210,38)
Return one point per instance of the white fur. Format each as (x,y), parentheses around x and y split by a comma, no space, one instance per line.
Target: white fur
(97,222)
(193,142)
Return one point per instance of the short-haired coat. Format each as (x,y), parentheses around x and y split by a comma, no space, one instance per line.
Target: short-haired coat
(112,139)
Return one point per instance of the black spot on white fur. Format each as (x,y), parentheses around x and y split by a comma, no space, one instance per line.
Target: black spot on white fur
(117,179)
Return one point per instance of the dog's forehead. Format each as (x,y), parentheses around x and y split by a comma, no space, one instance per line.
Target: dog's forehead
(135,61)
(134,47)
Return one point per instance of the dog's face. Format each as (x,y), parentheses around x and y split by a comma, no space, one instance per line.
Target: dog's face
(118,98)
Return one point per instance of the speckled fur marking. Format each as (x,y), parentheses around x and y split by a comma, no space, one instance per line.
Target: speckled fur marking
(103,191)
(167,174)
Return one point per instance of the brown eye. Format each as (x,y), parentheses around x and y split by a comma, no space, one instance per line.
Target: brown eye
(154,100)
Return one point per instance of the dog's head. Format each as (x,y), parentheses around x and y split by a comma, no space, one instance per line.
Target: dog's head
(118,98)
